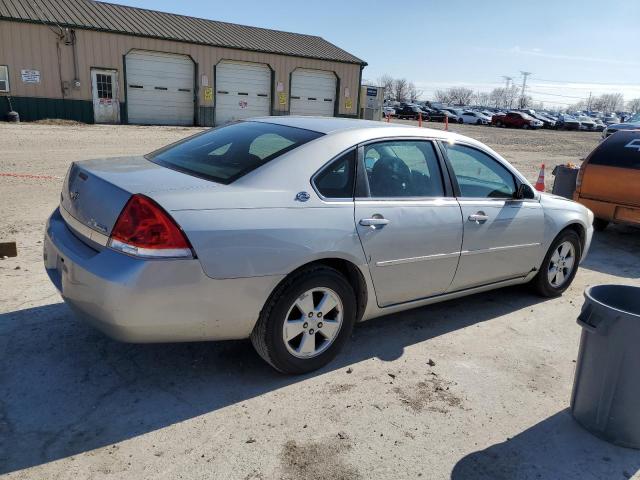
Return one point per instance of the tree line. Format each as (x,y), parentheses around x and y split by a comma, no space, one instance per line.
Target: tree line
(403,90)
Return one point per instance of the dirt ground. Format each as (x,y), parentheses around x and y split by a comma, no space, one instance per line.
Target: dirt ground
(469,389)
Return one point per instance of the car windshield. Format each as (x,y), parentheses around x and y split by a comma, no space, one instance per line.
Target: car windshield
(635,118)
(225,154)
(526,116)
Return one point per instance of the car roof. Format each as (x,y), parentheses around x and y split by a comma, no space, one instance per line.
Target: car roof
(324,124)
(377,129)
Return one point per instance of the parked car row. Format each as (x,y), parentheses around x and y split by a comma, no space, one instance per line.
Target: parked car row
(525,118)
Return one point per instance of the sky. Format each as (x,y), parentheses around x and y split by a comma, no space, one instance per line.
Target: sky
(572,47)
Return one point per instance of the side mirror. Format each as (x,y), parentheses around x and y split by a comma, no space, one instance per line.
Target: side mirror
(524,191)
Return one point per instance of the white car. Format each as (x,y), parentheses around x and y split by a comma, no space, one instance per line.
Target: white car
(474,117)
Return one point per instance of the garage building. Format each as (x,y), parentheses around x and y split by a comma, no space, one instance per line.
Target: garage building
(104,63)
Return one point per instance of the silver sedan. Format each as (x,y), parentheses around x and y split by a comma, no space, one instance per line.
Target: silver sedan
(289,230)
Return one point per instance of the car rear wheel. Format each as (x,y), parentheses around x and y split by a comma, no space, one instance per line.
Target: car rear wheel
(498,124)
(478,122)
(559,266)
(306,321)
(599,224)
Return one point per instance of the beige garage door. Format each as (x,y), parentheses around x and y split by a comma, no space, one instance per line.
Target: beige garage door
(159,88)
(243,90)
(313,92)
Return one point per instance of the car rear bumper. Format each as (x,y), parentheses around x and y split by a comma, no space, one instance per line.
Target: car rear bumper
(612,212)
(141,300)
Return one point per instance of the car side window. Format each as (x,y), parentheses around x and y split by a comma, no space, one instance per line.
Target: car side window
(478,174)
(336,180)
(403,169)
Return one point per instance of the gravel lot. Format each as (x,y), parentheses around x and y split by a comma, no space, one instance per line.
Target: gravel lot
(74,404)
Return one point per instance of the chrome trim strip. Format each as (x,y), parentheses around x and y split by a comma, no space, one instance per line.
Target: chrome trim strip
(82,229)
(498,249)
(435,256)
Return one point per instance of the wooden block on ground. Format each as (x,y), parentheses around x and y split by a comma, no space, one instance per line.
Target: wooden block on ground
(8,249)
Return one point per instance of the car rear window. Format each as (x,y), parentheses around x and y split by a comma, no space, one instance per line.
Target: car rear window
(225,154)
(622,149)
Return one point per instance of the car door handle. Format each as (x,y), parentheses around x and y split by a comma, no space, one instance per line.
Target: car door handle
(479,217)
(373,222)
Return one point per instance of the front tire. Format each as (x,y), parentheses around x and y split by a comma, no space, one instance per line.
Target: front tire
(306,321)
(559,266)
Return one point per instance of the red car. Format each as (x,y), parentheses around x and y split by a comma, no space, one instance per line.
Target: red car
(516,120)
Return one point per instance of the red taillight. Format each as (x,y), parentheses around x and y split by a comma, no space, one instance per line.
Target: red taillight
(145,229)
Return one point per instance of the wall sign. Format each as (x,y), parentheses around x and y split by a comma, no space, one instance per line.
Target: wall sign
(280,87)
(30,76)
(204,81)
(347,92)
(282,99)
(208,94)
(372,92)
(348,104)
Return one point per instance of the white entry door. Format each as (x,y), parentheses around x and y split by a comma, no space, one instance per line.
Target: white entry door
(104,90)
(313,92)
(160,88)
(243,90)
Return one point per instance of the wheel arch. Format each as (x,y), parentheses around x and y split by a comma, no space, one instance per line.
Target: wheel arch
(351,272)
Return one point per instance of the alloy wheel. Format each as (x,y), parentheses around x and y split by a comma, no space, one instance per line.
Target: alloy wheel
(561,264)
(312,322)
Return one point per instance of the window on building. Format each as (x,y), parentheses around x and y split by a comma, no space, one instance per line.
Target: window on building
(4,78)
(104,85)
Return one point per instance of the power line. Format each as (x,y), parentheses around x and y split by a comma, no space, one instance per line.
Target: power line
(556,94)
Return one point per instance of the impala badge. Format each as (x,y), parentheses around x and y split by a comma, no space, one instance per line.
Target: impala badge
(74,196)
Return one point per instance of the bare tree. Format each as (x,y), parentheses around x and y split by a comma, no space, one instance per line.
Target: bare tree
(442,96)
(482,99)
(386,82)
(400,89)
(413,94)
(634,105)
(608,102)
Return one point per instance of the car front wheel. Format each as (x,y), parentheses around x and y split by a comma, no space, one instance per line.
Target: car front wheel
(559,266)
(306,321)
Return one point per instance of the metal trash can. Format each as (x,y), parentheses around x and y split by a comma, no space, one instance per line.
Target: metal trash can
(606,387)
(564,183)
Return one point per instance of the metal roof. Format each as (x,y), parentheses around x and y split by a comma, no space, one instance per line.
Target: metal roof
(109,17)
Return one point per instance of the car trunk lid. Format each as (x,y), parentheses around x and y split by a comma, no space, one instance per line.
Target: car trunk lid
(95,191)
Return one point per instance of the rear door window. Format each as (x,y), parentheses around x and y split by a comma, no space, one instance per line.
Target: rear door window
(338,178)
(622,150)
(227,153)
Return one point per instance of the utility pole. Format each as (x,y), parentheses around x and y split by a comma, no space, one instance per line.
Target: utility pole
(589,103)
(524,86)
(506,95)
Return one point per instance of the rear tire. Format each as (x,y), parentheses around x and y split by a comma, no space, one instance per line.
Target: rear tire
(599,224)
(548,282)
(307,285)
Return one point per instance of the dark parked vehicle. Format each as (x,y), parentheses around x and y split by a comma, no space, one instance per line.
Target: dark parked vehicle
(567,122)
(411,112)
(436,115)
(516,120)
(546,121)
(632,123)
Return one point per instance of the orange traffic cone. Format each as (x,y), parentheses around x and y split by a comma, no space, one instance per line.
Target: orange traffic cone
(419,119)
(540,182)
